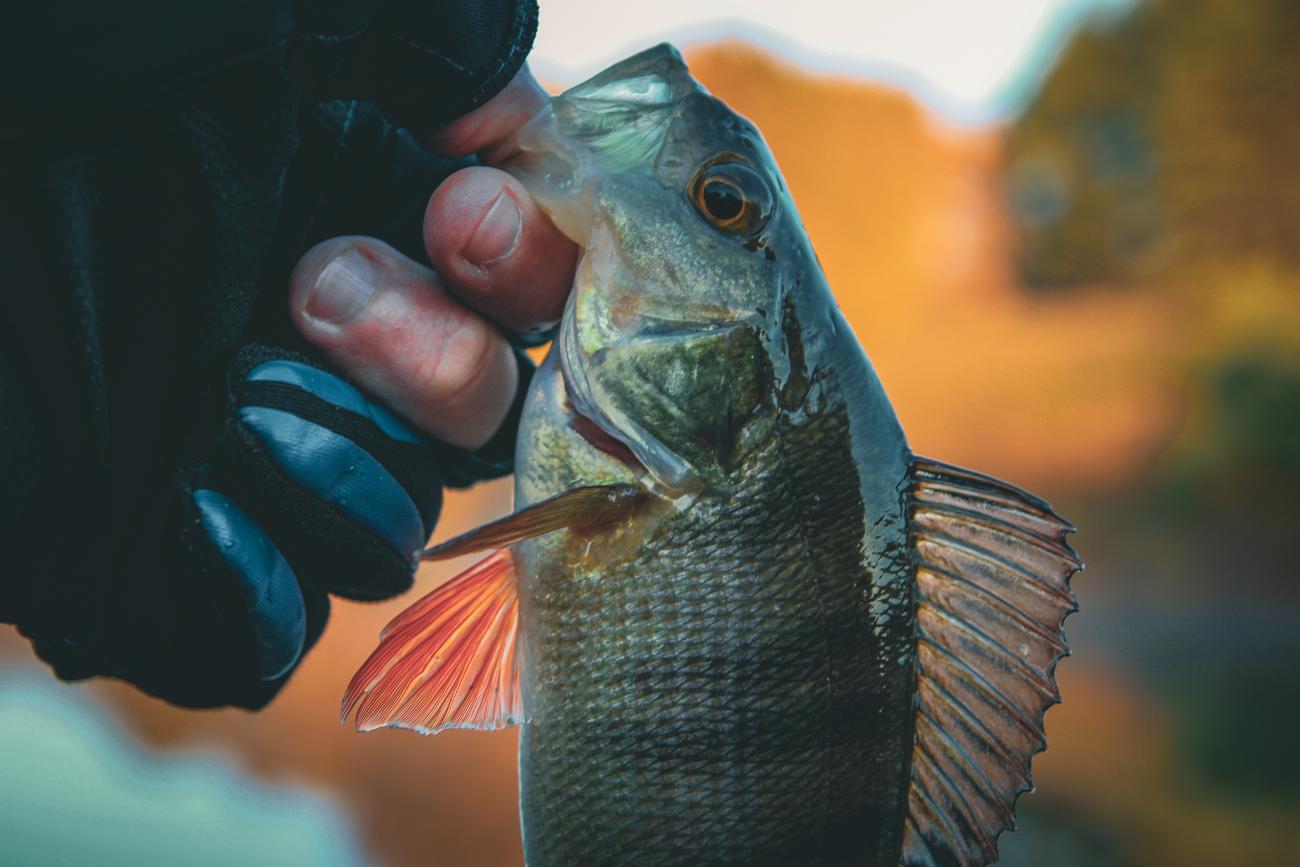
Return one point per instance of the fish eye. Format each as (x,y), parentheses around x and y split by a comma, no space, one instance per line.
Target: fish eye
(732,197)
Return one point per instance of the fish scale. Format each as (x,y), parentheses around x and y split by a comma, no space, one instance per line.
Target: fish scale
(717,676)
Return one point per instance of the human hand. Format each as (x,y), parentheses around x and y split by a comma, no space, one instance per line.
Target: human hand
(423,364)
(226,481)
(427,341)
(345,484)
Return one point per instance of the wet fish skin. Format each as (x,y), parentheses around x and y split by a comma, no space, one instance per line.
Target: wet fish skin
(731,694)
(738,688)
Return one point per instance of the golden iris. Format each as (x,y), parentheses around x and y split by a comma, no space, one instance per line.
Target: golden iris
(733,197)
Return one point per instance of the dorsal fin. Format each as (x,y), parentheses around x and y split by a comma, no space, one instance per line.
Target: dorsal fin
(992,590)
(448,661)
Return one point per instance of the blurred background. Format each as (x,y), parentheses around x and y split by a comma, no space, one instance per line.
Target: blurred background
(1068,234)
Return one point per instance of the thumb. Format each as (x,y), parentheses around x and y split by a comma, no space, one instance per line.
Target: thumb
(386,323)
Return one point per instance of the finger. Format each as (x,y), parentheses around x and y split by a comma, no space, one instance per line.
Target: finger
(489,129)
(390,327)
(497,251)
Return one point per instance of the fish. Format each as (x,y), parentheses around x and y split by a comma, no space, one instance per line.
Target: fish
(738,620)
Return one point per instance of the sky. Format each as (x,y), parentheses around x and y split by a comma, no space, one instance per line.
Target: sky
(973,61)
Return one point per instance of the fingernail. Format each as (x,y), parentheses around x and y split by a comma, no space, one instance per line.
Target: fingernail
(342,288)
(497,233)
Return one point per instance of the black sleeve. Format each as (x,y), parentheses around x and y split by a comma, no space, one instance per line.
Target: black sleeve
(163,167)
(423,63)
(66,64)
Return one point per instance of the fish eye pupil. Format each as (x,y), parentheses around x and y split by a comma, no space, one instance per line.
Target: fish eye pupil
(723,200)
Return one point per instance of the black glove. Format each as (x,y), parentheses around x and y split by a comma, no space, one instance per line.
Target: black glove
(180,483)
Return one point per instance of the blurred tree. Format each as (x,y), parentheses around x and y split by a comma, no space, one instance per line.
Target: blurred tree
(1162,141)
(1158,158)
(1243,449)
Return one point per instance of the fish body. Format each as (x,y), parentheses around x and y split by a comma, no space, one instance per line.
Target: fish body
(784,639)
(737,690)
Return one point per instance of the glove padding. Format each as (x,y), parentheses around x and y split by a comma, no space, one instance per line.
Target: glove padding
(351,490)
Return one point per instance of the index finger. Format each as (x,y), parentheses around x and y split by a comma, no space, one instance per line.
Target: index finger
(489,130)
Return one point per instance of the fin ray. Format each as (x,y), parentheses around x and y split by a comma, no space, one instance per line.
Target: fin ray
(998,664)
(972,600)
(448,661)
(971,832)
(991,592)
(952,842)
(978,688)
(916,851)
(968,559)
(979,782)
(958,723)
(590,506)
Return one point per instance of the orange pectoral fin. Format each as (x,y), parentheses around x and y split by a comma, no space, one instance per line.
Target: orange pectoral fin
(451,659)
(448,661)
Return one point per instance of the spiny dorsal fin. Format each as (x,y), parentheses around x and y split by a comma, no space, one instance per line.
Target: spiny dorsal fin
(448,661)
(992,590)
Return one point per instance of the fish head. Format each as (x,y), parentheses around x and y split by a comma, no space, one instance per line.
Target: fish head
(676,337)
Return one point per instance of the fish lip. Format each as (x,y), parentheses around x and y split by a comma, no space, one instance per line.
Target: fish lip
(603,442)
(670,474)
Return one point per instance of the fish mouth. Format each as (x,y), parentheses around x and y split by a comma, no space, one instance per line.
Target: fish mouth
(613,123)
(601,441)
(609,430)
